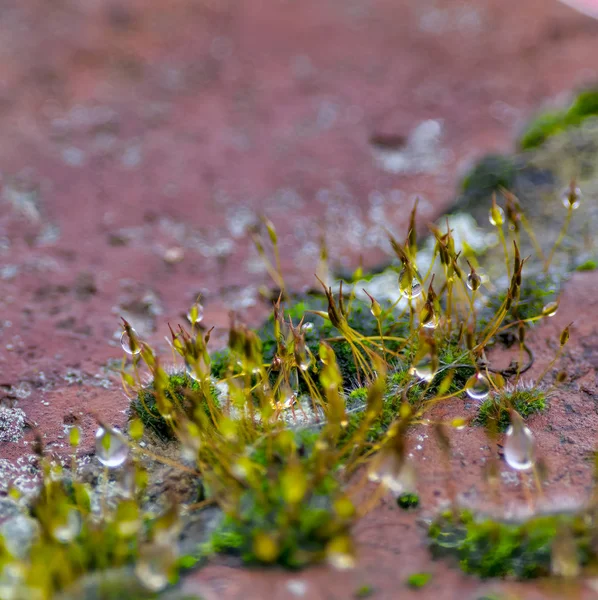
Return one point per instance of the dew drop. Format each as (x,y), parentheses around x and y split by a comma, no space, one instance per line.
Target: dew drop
(395,473)
(195,314)
(409,285)
(130,344)
(474,281)
(478,387)
(307,327)
(497,216)
(519,447)
(294,380)
(305,362)
(111,447)
(550,309)
(67,527)
(571,197)
(429,318)
(154,566)
(424,369)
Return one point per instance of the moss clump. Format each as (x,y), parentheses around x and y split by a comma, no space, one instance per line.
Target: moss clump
(418,580)
(588,265)
(267,528)
(495,408)
(408,501)
(365,591)
(490,174)
(552,123)
(523,550)
(183,391)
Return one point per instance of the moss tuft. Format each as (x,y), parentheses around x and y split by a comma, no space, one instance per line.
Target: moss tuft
(418,580)
(522,550)
(495,408)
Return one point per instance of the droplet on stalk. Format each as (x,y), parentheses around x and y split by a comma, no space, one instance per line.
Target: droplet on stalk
(519,445)
(155,565)
(571,197)
(67,527)
(429,317)
(424,369)
(409,284)
(497,216)
(474,281)
(550,309)
(478,387)
(396,473)
(111,447)
(129,342)
(195,314)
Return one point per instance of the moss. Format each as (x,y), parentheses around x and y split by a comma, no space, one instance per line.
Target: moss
(490,548)
(300,532)
(588,265)
(489,174)
(418,580)
(364,591)
(495,408)
(183,391)
(408,501)
(549,124)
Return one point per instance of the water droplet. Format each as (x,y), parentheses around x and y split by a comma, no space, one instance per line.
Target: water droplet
(130,344)
(305,362)
(409,285)
(155,565)
(474,281)
(429,318)
(550,309)
(111,447)
(307,327)
(195,314)
(394,472)
(294,380)
(571,197)
(478,387)
(12,579)
(287,397)
(67,527)
(497,216)
(424,369)
(519,447)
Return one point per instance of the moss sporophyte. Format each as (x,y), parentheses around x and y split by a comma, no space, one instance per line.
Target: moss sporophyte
(278,424)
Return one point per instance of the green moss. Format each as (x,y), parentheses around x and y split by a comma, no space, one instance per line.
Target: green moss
(408,501)
(489,174)
(495,408)
(490,548)
(588,265)
(552,123)
(365,591)
(301,531)
(183,391)
(418,580)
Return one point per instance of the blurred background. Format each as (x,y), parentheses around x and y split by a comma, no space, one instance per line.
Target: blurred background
(141,139)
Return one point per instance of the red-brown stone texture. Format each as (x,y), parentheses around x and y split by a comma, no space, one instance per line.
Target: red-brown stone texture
(140,140)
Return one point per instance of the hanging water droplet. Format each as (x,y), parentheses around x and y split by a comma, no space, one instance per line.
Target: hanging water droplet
(478,387)
(12,581)
(571,197)
(519,447)
(474,281)
(394,472)
(287,397)
(305,362)
(195,314)
(67,527)
(111,447)
(154,566)
(497,216)
(409,285)
(428,317)
(294,380)
(550,309)
(307,327)
(424,369)
(130,343)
